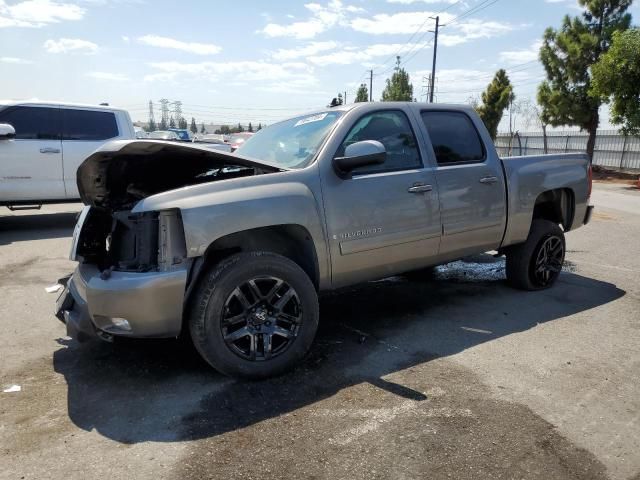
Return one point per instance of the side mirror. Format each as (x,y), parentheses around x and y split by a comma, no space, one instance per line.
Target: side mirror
(7,132)
(359,154)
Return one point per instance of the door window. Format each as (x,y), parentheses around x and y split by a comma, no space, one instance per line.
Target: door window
(33,123)
(392,129)
(454,137)
(88,125)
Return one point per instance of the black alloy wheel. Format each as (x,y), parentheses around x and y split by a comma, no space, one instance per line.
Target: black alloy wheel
(261,319)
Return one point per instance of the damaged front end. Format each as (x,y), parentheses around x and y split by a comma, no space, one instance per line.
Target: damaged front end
(133,267)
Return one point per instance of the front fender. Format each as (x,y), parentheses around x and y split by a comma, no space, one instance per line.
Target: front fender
(211,212)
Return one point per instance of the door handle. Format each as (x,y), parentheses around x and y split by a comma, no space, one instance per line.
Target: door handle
(49,150)
(420,188)
(488,180)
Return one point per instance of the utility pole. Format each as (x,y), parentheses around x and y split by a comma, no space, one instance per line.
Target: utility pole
(152,120)
(435,54)
(371,85)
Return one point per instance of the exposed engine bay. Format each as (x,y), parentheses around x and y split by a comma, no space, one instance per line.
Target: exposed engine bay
(112,182)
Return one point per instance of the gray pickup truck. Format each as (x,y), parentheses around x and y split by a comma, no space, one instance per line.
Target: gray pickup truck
(233,249)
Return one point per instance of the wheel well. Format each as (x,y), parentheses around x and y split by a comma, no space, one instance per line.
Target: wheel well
(291,241)
(557,206)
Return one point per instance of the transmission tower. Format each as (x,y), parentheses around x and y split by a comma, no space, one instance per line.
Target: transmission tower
(164,110)
(177,111)
(152,119)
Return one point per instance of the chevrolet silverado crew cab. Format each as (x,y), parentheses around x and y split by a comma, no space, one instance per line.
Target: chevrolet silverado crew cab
(233,249)
(42,145)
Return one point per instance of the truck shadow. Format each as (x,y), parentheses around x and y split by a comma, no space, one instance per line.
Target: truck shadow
(137,391)
(20,228)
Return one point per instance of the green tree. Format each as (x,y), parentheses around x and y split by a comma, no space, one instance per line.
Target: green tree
(250,129)
(193,127)
(568,55)
(259,127)
(172,123)
(240,129)
(399,87)
(616,78)
(202,129)
(163,124)
(182,123)
(495,99)
(362,95)
(151,127)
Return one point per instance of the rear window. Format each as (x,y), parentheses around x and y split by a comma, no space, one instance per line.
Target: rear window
(33,123)
(454,137)
(88,125)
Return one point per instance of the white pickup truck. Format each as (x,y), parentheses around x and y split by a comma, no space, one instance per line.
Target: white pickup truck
(42,144)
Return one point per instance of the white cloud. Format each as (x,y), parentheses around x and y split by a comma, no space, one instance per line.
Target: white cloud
(514,57)
(294,74)
(37,13)
(111,77)
(125,39)
(15,61)
(351,55)
(322,18)
(430,2)
(68,45)
(460,31)
(191,47)
(312,48)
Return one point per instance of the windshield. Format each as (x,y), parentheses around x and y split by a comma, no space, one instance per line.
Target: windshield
(292,143)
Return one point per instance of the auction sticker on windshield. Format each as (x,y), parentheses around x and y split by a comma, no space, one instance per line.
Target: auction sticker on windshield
(311,119)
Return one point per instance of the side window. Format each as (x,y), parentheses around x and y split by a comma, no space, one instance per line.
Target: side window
(33,123)
(454,137)
(392,129)
(88,125)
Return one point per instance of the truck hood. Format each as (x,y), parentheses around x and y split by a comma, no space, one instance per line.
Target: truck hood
(122,172)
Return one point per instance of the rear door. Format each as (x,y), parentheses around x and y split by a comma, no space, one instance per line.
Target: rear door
(83,132)
(385,219)
(470,182)
(31,163)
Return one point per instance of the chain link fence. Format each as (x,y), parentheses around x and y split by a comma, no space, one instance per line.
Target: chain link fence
(612,149)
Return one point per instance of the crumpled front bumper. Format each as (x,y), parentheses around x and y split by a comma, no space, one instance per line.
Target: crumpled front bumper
(133,304)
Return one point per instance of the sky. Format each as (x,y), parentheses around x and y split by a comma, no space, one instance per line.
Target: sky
(259,61)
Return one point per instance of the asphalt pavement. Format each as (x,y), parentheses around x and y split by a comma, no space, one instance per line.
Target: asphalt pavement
(455,377)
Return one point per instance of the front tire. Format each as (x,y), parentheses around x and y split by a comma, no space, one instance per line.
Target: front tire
(254,315)
(536,264)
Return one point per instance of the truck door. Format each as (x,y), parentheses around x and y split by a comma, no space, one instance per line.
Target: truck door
(385,219)
(83,132)
(31,163)
(471,184)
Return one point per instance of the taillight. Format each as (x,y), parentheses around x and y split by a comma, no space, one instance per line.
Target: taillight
(590,180)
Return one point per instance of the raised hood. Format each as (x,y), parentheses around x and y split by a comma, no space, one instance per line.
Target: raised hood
(125,171)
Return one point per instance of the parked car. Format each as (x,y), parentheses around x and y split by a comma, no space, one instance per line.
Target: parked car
(234,248)
(42,144)
(237,139)
(213,142)
(164,135)
(140,133)
(183,135)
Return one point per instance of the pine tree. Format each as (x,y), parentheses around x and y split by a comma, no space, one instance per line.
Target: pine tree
(193,127)
(152,126)
(163,124)
(495,99)
(250,129)
(202,130)
(568,55)
(362,95)
(172,123)
(399,87)
(259,127)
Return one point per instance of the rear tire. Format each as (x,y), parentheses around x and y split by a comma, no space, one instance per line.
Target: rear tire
(254,315)
(537,263)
